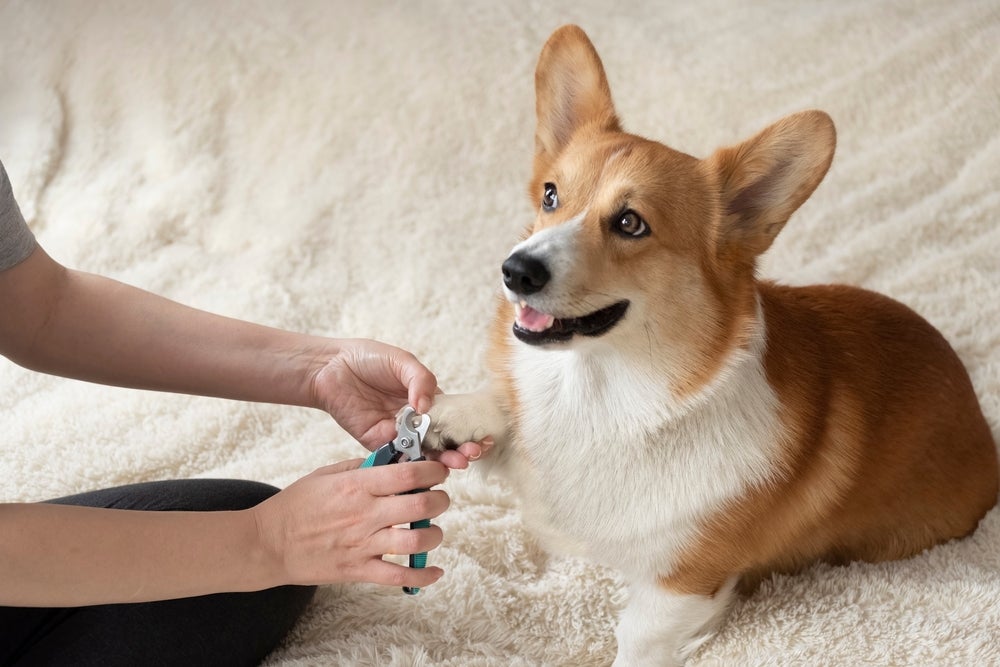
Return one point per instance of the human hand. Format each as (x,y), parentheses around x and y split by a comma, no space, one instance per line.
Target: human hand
(365,384)
(335,524)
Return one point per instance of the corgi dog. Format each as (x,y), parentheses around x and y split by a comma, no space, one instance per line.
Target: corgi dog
(662,411)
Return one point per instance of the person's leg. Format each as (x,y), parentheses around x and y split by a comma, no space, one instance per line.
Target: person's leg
(224,629)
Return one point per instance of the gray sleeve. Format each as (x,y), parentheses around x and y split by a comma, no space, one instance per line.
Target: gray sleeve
(16,240)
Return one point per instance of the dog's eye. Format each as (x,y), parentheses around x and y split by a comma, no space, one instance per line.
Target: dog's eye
(630,224)
(550,198)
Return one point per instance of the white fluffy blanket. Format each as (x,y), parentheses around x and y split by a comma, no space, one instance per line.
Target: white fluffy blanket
(359,169)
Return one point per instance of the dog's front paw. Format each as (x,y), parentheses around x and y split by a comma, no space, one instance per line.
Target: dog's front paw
(458,418)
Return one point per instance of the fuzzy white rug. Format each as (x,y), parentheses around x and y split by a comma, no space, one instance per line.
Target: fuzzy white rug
(359,169)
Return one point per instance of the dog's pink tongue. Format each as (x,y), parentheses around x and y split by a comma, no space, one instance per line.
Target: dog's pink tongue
(533,320)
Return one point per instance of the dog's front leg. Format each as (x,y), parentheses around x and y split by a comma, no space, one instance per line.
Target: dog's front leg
(458,418)
(661,627)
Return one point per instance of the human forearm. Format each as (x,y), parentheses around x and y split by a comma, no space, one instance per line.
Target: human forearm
(331,526)
(87,327)
(57,555)
(97,329)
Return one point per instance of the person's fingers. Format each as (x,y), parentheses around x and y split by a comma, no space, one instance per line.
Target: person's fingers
(451,458)
(420,383)
(380,433)
(421,386)
(395,479)
(459,458)
(391,574)
(472,451)
(409,507)
(476,450)
(405,541)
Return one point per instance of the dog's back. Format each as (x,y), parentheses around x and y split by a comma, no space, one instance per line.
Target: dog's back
(889,452)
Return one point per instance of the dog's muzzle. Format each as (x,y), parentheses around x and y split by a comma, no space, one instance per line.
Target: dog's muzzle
(525,275)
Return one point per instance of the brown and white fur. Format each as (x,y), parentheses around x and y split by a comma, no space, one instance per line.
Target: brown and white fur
(724,427)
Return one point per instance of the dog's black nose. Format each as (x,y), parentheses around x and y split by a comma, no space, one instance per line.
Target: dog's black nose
(524,274)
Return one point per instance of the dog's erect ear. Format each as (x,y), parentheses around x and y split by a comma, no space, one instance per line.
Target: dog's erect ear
(571,90)
(765,179)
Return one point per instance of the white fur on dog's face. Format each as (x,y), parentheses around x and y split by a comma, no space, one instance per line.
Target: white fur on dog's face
(558,247)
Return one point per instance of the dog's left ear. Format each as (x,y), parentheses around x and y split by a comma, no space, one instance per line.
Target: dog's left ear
(571,90)
(765,179)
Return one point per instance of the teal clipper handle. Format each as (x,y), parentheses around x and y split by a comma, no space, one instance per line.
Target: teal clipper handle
(406,446)
(417,560)
(370,461)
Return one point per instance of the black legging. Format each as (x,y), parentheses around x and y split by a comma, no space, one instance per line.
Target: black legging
(223,629)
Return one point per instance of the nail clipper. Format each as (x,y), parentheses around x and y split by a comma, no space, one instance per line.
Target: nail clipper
(411,428)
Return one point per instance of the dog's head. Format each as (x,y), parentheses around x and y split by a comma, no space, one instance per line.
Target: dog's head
(634,239)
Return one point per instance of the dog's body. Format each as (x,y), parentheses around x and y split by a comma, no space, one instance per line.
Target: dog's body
(662,412)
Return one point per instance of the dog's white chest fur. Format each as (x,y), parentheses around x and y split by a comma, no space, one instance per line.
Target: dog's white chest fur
(612,466)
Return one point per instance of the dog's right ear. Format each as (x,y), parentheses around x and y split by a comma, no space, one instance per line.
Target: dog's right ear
(571,90)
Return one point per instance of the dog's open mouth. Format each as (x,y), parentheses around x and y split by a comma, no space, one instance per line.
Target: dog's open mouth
(537,328)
